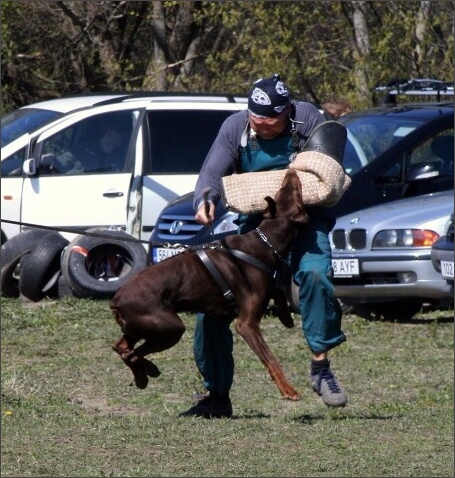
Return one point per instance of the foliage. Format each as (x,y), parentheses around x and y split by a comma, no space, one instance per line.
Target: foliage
(68,409)
(322,49)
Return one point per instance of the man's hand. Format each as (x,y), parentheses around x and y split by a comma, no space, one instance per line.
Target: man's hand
(206,213)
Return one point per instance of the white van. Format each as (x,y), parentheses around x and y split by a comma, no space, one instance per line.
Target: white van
(59,177)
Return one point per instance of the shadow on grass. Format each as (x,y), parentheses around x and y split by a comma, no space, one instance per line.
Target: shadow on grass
(309,419)
(437,320)
(312,419)
(413,321)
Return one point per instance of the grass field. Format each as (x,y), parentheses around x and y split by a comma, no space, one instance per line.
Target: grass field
(68,408)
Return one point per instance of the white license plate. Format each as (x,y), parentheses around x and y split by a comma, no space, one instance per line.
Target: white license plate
(345,267)
(161,253)
(447,269)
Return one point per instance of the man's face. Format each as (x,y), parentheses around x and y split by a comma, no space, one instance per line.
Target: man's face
(110,140)
(269,128)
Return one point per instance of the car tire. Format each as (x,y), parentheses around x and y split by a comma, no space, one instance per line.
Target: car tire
(12,252)
(395,311)
(64,288)
(41,267)
(95,267)
(293,297)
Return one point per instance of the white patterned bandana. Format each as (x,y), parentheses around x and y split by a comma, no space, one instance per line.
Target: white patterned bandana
(268,97)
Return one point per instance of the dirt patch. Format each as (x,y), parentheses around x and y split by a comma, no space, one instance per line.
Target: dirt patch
(100,406)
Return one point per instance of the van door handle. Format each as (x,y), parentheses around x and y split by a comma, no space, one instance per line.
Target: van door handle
(113,194)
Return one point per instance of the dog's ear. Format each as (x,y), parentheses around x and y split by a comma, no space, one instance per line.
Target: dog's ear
(270,210)
(300,215)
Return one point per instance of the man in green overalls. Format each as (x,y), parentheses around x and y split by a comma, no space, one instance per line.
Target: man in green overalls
(265,137)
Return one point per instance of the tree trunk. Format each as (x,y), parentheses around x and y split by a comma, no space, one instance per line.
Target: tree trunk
(155,75)
(420,33)
(363,47)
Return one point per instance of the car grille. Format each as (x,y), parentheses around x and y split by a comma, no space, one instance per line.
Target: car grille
(352,239)
(177,228)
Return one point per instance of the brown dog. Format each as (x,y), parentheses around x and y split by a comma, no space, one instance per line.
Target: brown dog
(146,307)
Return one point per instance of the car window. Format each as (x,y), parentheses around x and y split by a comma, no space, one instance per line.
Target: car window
(180,140)
(354,157)
(98,144)
(12,165)
(375,134)
(437,151)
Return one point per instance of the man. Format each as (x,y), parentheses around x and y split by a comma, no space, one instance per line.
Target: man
(267,137)
(334,108)
(105,154)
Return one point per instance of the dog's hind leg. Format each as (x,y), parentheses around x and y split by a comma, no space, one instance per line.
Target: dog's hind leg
(160,330)
(124,346)
(249,329)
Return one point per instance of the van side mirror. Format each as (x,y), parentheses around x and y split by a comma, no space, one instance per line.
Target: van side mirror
(29,167)
(422,171)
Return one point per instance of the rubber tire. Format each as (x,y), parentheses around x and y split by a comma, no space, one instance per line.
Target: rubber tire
(64,288)
(293,297)
(41,267)
(11,253)
(85,250)
(294,304)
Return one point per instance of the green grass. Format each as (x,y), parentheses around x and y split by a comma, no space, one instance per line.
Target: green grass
(68,408)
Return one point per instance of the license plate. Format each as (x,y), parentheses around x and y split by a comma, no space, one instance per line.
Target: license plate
(447,269)
(345,267)
(161,253)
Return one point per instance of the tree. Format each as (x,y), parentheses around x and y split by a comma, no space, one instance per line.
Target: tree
(321,48)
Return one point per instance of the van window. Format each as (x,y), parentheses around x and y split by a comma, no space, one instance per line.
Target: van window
(12,165)
(181,139)
(98,144)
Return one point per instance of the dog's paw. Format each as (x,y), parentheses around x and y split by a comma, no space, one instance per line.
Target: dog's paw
(287,320)
(141,381)
(152,370)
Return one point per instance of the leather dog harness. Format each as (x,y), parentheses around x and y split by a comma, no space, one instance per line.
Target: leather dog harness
(227,292)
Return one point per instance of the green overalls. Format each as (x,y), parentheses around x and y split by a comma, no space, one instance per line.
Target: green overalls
(310,261)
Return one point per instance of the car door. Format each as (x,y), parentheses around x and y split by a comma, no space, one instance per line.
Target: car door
(13,157)
(71,188)
(179,136)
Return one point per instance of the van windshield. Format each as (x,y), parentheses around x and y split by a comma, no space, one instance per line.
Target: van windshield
(26,120)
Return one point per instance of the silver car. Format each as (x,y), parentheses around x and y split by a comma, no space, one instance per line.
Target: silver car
(442,254)
(382,257)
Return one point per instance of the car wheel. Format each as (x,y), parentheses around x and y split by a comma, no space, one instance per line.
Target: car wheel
(95,267)
(41,267)
(294,305)
(395,311)
(346,308)
(293,297)
(12,252)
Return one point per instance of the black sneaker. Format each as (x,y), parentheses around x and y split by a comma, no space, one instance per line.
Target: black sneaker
(210,407)
(326,386)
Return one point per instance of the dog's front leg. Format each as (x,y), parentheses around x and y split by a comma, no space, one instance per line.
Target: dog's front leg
(281,302)
(249,330)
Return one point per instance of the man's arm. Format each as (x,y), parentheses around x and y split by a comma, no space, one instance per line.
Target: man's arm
(308,117)
(220,161)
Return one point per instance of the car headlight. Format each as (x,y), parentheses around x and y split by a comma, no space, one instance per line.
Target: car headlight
(226,224)
(404,238)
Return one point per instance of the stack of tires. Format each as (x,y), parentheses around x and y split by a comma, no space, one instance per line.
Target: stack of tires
(39,263)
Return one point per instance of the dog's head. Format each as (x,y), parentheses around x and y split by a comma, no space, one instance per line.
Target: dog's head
(288,200)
